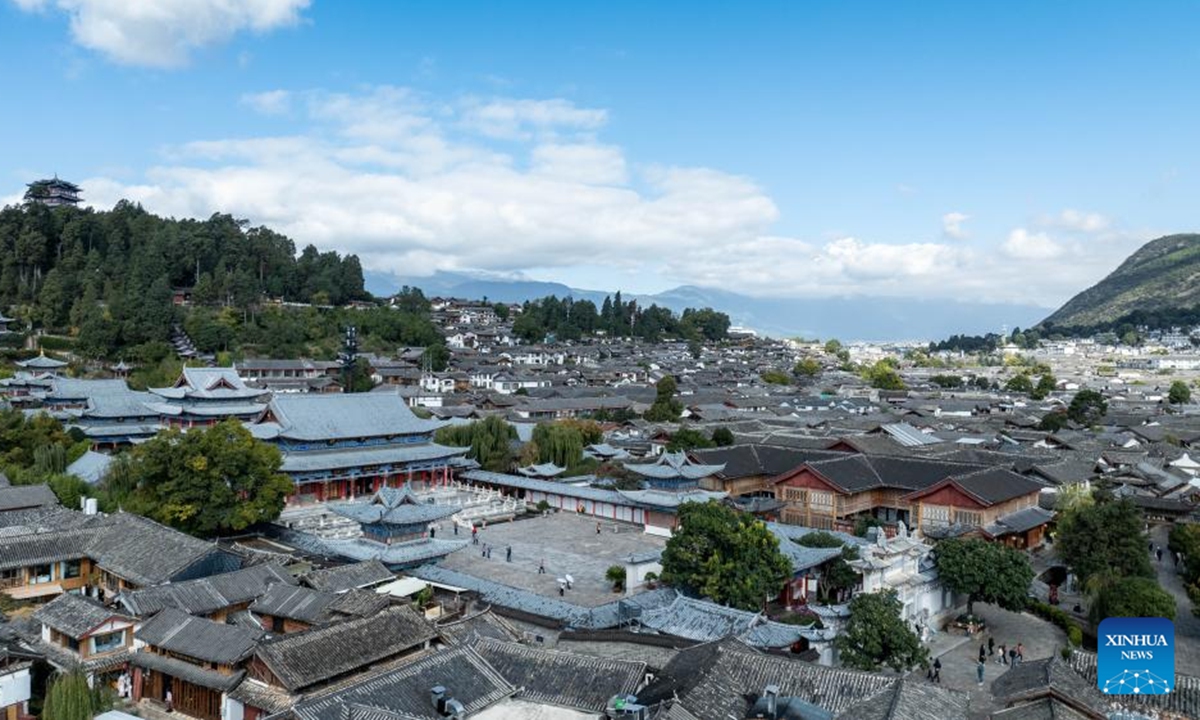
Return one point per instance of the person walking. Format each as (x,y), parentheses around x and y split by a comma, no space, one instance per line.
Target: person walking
(937,670)
(991,646)
(597,528)
(1012,657)
(432,531)
(979,671)
(1158,553)
(508,554)
(1003,659)
(542,566)
(489,552)
(1020,652)
(982,653)
(474,535)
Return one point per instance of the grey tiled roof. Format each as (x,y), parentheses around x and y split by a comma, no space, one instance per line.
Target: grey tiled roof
(142,551)
(43,547)
(73,615)
(207,595)
(404,690)
(909,699)
(316,460)
(348,577)
(714,679)
(405,554)
(295,603)
(176,631)
(304,659)
(583,492)
(1184,699)
(1019,521)
(186,671)
(394,506)
(560,678)
(674,465)
(90,467)
(333,416)
(21,497)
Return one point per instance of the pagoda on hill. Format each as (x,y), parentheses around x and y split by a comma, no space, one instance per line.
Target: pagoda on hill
(53,192)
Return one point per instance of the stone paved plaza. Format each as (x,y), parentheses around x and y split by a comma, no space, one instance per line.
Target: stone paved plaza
(567,542)
(959,656)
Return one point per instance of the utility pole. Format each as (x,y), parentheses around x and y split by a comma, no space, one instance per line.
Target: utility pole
(348,356)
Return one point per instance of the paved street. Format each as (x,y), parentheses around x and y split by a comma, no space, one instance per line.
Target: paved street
(1041,640)
(1187,625)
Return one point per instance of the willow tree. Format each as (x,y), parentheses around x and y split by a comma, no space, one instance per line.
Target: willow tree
(68,697)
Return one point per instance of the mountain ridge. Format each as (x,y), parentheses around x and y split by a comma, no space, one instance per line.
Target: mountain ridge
(1163,274)
(848,318)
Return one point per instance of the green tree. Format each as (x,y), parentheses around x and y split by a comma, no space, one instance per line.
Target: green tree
(807,368)
(863,523)
(490,440)
(1019,384)
(883,375)
(947,381)
(615,574)
(68,697)
(1104,539)
(722,437)
(984,572)
(724,555)
(1046,384)
(819,539)
(560,443)
(877,635)
(1072,496)
(1180,393)
(1132,597)
(687,438)
(775,377)
(833,347)
(1087,407)
(207,482)
(665,407)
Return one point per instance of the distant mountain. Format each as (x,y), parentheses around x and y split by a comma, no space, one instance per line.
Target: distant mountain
(1163,275)
(853,318)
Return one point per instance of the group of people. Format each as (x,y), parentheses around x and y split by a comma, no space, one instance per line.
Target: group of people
(1004,655)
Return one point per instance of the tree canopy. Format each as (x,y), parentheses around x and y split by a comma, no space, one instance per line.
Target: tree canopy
(1088,407)
(69,697)
(1104,538)
(984,572)
(571,319)
(490,441)
(1132,597)
(876,635)
(665,407)
(724,555)
(1180,393)
(204,482)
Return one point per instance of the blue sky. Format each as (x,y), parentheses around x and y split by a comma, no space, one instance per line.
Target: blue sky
(1013,152)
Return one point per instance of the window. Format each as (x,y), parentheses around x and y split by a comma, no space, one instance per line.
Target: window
(40,574)
(72,568)
(935,515)
(821,500)
(967,518)
(108,642)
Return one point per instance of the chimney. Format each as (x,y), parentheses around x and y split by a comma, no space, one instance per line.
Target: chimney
(771,693)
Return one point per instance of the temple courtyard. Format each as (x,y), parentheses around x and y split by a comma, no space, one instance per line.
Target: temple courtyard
(567,543)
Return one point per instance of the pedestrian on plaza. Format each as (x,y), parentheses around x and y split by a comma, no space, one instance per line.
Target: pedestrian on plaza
(1003,659)
(937,670)
(508,554)
(1158,553)
(542,566)
(432,531)
(1020,652)
(597,528)
(455,526)
(982,653)
(991,646)
(474,535)
(979,670)
(1151,546)
(1012,657)
(489,552)
(483,551)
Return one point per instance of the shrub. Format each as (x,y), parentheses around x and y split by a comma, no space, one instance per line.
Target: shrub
(615,575)
(1060,618)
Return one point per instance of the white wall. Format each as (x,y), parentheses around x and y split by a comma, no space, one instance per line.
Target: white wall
(14,688)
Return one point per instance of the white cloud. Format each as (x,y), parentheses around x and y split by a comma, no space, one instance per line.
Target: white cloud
(412,186)
(1088,223)
(271,102)
(163,33)
(952,225)
(588,163)
(1024,245)
(510,119)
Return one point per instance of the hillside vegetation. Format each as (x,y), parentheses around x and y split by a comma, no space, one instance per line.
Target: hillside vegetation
(1157,285)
